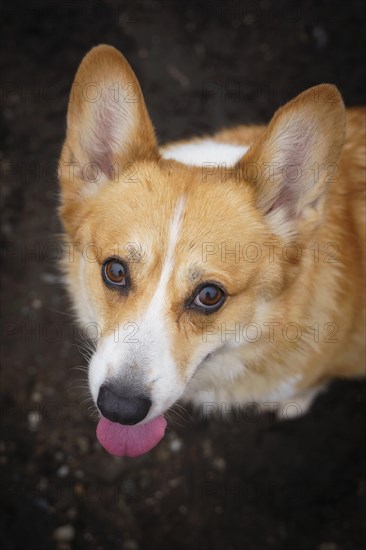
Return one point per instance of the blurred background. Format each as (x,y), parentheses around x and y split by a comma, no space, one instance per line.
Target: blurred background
(253,483)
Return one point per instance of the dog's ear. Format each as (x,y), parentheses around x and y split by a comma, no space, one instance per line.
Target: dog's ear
(108,125)
(294,159)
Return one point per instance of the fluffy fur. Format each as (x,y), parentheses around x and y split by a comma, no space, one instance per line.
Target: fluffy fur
(274,214)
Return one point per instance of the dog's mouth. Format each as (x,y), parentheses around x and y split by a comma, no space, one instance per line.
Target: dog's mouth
(122,440)
(132,440)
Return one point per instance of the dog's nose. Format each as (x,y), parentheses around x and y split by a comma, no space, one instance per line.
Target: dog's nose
(124,409)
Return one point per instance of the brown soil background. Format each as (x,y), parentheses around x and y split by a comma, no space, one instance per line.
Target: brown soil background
(254,485)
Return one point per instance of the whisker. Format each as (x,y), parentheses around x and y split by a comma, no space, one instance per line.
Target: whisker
(81,368)
(171,418)
(86,400)
(183,409)
(83,346)
(77,388)
(66,313)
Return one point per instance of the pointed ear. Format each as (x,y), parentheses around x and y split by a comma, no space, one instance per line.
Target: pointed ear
(294,159)
(108,124)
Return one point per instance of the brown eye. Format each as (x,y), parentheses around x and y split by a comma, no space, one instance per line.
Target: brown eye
(209,298)
(114,273)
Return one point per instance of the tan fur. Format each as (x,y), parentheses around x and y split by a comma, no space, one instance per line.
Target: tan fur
(233,207)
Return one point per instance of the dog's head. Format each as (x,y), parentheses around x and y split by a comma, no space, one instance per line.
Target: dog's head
(165,253)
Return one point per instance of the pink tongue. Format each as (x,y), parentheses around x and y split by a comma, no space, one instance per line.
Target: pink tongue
(136,440)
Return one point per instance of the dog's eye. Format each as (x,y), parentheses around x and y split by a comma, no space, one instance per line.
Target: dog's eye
(114,272)
(209,298)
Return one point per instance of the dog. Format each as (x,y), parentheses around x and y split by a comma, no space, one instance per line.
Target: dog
(222,270)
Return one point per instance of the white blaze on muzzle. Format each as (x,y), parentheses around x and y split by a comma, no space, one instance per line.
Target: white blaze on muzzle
(149,350)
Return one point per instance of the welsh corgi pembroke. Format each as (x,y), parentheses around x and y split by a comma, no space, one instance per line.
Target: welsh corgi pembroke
(220,270)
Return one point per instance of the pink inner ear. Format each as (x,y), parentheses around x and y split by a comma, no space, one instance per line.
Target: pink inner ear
(102,143)
(293,155)
(112,120)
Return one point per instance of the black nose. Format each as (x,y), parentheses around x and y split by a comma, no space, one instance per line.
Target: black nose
(124,409)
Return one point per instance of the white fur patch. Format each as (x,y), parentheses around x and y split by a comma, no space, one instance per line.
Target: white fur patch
(150,355)
(215,376)
(286,389)
(198,152)
(154,328)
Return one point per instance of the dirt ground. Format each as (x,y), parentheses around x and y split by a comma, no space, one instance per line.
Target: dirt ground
(253,483)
